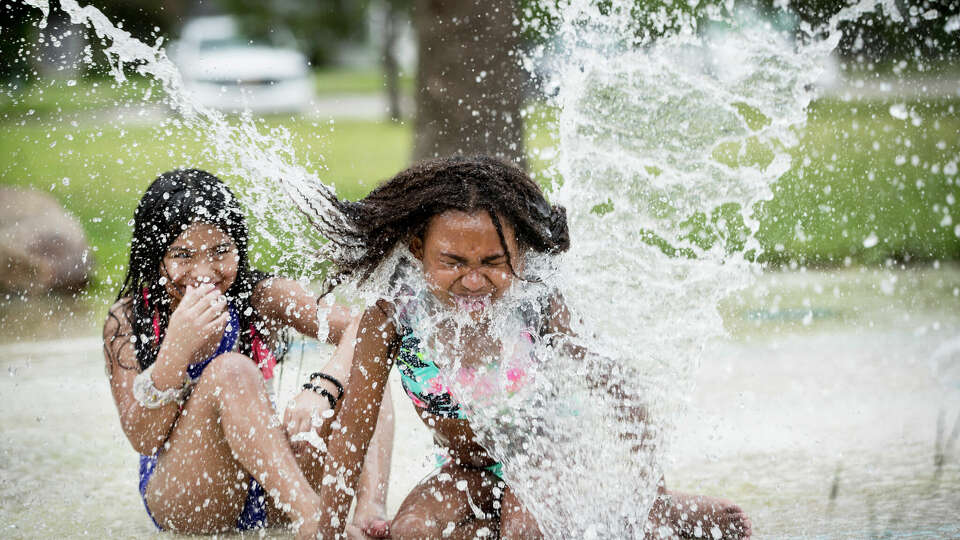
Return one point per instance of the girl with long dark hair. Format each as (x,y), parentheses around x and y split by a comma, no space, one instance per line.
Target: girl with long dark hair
(470,227)
(190,343)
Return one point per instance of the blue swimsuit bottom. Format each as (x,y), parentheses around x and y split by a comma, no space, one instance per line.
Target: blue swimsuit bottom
(254,514)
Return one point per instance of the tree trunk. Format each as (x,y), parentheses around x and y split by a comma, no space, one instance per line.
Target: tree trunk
(470,84)
(391,68)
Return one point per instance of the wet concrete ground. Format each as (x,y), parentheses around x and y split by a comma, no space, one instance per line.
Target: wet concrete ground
(819,415)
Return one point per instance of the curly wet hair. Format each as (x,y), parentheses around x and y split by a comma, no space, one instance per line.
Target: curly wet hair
(402,207)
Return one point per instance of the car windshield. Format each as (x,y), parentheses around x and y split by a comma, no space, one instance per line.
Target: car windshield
(223,43)
(213,33)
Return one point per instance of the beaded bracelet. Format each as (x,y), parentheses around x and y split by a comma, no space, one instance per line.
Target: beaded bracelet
(323,391)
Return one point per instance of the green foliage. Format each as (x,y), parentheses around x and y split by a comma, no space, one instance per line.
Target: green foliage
(922,37)
(16,32)
(319,26)
(144,19)
(653,18)
(24,45)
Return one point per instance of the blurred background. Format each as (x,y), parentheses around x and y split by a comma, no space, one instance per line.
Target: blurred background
(871,183)
(858,309)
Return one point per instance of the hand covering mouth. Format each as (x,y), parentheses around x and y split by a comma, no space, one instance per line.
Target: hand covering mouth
(471,304)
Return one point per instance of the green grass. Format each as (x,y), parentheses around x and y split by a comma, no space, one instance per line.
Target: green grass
(864,188)
(858,172)
(64,96)
(60,96)
(98,170)
(356,81)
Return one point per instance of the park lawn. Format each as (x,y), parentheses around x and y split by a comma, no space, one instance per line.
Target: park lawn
(69,95)
(347,80)
(866,187)
(99,168)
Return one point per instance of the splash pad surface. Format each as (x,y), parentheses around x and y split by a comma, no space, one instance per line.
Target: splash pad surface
(784,413)
(637,184)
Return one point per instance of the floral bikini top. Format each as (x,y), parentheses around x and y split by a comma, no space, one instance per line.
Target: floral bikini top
(425,384)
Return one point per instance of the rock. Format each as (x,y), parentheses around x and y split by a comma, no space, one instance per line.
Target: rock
(42,247)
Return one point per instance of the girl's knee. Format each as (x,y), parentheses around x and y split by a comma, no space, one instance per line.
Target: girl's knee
(515,521)
(519,526)
(230,374)
(231,367)
(410,526)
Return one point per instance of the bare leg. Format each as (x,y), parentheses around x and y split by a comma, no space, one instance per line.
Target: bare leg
(515,521)
(370,512)
(227,430)
(439,508)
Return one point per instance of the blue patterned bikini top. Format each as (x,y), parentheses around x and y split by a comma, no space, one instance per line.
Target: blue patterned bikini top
(423,382)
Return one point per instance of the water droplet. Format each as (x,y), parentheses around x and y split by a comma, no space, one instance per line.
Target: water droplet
(899,111)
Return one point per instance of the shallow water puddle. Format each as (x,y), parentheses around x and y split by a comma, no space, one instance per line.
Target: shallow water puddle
(784,415)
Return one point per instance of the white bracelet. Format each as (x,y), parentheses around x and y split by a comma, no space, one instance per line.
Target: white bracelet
(148,396)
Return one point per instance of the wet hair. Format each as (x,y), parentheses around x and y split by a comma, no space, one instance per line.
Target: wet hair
(402,207)
(173,202)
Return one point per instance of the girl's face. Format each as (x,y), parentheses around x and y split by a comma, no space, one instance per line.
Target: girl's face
(464,261)
(201,254)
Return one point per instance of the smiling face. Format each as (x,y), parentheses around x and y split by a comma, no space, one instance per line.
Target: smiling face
(464,261)
(201,254)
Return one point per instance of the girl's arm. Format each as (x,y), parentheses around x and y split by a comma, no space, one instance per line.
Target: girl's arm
(352,433)
(558,326)
(287,302)
(630,405)
(682,513)
(146,429)
(198,326)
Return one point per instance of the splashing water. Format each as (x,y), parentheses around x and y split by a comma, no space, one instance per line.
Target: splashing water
(663,148)
(240,148)
(661,159)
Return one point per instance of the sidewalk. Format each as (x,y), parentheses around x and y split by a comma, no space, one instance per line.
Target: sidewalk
(373,107)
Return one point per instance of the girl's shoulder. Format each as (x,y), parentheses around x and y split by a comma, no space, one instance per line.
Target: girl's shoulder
(405,307)
(265,291)
(381,316)
(385,309)
(118,336)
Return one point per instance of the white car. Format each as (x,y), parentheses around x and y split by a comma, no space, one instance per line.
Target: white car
(223,70)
